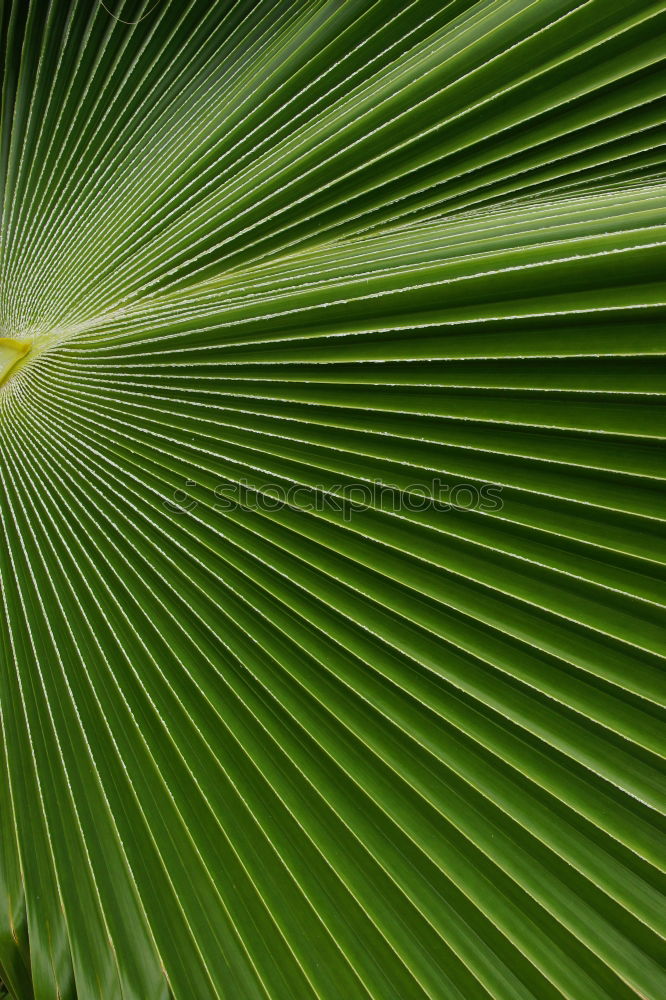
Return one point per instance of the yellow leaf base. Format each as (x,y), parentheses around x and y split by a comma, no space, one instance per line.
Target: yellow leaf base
(11,351)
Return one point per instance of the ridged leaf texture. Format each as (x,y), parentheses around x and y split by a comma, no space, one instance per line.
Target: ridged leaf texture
(331,483)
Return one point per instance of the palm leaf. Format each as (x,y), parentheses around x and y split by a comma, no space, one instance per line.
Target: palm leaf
(332,533)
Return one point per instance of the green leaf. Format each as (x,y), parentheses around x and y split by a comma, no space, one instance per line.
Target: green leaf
(331,492)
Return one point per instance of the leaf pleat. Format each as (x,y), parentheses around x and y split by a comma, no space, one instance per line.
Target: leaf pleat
(331,493)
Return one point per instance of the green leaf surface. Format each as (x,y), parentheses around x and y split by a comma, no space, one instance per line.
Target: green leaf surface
(332,342)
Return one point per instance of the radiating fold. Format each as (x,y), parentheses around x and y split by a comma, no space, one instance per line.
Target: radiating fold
(331,492)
